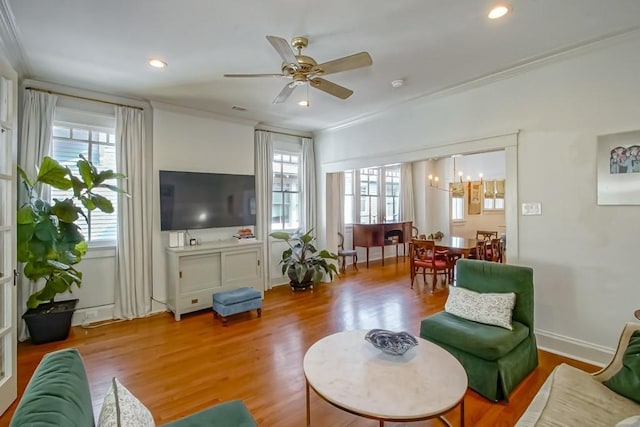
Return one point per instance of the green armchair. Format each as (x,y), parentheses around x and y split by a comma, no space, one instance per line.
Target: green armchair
(495,359)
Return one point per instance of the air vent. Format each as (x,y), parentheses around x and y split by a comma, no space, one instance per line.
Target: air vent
(238,108)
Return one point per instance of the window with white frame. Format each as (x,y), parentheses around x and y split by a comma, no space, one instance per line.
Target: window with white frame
(98,145)
(392,194)
(457,208)
(285,194)
(494,195)
(457,191)
(378,195)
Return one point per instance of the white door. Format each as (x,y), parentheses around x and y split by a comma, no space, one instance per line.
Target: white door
(8,317)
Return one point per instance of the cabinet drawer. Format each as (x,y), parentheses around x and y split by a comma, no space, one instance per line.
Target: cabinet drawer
(198,272)
(195,301)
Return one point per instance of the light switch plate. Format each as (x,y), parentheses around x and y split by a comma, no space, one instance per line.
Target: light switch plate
(531,208)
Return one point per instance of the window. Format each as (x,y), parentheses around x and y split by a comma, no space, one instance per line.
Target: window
(457,191)
(369,195)
(392,194)
(494,195)
(457,208)
(379,195)
(286,191)
(97,144)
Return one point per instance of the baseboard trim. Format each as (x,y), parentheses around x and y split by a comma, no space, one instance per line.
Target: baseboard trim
(575,349)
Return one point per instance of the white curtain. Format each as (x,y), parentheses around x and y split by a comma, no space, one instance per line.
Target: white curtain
(133,258)
(35,144)
(309,184)
(264,185)
(407,212)
(339,200)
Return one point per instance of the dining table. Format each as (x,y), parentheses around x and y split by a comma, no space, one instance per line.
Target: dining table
(461,246)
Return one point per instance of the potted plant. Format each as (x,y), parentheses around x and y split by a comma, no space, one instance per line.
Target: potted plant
(303,263)
(50,242)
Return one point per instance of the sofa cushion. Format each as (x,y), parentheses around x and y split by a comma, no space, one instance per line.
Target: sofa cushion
(228,414)
(57,393)
(576,398)
(485,341)
(120,408)
(627,380)
(488,308)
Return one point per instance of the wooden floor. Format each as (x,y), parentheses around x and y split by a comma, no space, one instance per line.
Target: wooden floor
(176,368)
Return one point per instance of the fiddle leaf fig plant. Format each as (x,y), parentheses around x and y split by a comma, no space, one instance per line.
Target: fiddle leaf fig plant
(302,261)
(50,242)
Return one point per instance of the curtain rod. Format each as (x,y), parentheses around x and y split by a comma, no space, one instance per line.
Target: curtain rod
(83,97)
(283,133)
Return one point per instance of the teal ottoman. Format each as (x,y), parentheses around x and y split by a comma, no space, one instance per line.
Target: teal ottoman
(236,301)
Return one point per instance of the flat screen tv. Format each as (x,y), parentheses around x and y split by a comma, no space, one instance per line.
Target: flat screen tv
(190,200)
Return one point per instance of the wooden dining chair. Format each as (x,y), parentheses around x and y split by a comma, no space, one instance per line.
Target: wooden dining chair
(425,257)
(480,252)
(344,253)
(486,235)
(494,252)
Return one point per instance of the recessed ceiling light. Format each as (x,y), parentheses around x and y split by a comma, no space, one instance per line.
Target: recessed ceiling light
(303,103)
(499,11)
(157,63)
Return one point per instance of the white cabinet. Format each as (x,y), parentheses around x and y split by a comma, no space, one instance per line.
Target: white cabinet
(195,273)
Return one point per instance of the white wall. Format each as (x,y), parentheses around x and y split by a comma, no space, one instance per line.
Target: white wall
(585,280)
(194,141)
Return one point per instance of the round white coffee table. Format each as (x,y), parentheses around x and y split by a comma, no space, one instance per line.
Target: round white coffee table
(353,375)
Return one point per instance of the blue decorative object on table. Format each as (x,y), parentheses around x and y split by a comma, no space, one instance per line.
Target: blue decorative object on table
(395,343)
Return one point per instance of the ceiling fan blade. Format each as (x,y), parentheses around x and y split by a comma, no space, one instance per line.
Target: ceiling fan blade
(284,50)
(357,60)
(284,93)
(331,88)
(254,75)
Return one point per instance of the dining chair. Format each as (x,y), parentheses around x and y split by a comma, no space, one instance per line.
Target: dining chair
(344,253)
(494,252)
(486,235)
(425,256)
(480,251)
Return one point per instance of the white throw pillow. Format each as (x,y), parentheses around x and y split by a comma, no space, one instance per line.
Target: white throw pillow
(630,422)
(491,309)
(120,408)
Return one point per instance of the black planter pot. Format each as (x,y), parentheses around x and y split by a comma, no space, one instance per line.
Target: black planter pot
(306,282)
(50,321)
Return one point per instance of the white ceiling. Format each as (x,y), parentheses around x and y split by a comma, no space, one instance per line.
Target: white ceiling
(431,44)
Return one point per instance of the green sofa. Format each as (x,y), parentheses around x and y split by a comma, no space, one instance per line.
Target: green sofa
(58,395)
(496,359)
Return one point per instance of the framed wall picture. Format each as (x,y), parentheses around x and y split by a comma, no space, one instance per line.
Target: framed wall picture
(475,198)
(618,174)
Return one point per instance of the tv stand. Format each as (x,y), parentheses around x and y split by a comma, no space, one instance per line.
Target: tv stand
(195,273)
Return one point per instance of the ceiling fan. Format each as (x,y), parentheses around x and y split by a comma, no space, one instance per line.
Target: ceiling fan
(303,69)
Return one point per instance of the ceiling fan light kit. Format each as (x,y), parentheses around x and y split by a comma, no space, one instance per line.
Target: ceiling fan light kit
(303,69)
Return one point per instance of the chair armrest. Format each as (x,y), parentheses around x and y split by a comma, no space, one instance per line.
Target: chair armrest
(616,363)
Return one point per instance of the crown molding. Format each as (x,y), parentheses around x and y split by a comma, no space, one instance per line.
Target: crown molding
(10,40)
(521,67)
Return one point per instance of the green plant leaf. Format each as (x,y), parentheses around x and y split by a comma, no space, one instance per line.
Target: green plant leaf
(327,255)
(58,265)
(70,233)
(107,175)
(87,203)
(53,173)
(102,203)
(81,248)
(114,188)
(280,235)
(78,186)
(84,167)
(24,177)
(25,215)
(45,231)
(65,210)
